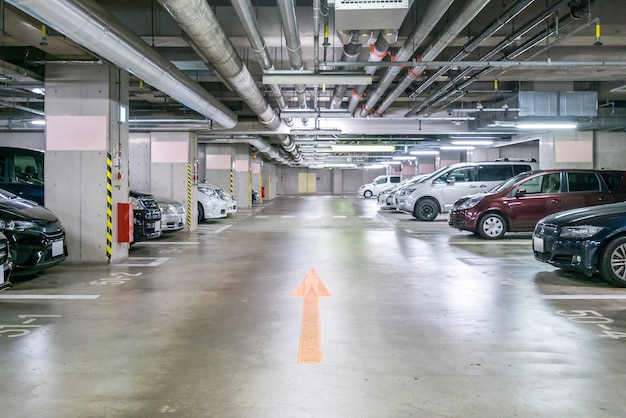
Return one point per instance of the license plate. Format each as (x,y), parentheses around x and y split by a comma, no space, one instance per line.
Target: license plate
(157,226)
(57,248)
(538,244)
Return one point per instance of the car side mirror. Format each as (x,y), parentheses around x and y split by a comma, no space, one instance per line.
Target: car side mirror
(520,192)
(450,180)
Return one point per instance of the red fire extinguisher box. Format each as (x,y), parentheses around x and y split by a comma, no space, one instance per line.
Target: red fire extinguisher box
(125,221)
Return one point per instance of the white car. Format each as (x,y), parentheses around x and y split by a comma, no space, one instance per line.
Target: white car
(379,183)
(231,200)
(210,204)
(386,197)
(173,214)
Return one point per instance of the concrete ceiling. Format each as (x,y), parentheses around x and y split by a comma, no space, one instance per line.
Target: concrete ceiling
(560,53)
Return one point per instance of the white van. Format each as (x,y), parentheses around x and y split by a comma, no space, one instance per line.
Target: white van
(377,185)
(437,193)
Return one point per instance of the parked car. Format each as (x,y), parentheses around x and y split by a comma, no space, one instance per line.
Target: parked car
(587,240)
(21,172)
(173,214)
(231,200)
(379,183)
(7,263)
(147,216)
(386,197)
(255,196)
(438,192)
(35,235)
(517,204)
(210,204)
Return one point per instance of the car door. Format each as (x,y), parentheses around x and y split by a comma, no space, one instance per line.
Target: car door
(584,189)
(458,183)
(534,198)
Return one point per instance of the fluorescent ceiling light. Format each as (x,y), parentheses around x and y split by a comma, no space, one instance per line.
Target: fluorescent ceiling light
(474,137)
(546,125)
(38,122)
(38,90)
(404,157)
(456,148)
(363,148)
(392,163)
(374,166)
(424,152)
(472,142)
(331,165)
(309,77)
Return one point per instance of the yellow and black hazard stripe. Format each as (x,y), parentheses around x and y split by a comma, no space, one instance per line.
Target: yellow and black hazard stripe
(109,247)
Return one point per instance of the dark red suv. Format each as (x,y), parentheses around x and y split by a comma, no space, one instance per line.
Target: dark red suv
(518,203)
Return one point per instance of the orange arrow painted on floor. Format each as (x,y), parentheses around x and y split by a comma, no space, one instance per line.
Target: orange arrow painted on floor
(311,288)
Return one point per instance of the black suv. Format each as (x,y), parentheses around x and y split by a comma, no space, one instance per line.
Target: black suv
(147,223)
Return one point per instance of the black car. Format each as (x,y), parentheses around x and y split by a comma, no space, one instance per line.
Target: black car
(587,240)
(147,216)
(6,262)
(35,235)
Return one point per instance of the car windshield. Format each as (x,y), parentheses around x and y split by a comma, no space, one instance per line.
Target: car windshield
(508,183)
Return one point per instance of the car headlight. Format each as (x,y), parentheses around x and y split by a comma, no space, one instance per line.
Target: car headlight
(137,205)
(167,208)
(469,203)
(406,192)
(583,231)
(19,226)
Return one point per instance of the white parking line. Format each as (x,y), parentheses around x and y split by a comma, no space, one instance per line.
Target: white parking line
(156,261)
(166,243)
(584,297)
(76,297)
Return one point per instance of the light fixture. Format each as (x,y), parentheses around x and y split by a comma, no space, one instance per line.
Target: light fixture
(38,90)
(309,77)
(424,152)
(363,148)
(38,122)
(333,165)
(546,125)
(369,167)
(457,148)
(472,142)
(122,116)
(404,157)
(392,163)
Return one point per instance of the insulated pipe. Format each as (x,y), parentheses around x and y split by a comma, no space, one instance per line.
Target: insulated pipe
(508,15)
(501,46)
(245,12)
(378,51)
(461,20)
(292,39)
(90,25)
(433,14)
(199,22)
(290,146)
(351,52)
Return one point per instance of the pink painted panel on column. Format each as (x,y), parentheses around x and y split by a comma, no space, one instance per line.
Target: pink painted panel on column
(76,133)
(241,165)
(170,152)
(217,162)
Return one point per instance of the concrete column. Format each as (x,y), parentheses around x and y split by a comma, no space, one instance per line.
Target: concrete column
(82,130)
(242,174)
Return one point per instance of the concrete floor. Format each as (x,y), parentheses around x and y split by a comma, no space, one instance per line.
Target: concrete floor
(422,321)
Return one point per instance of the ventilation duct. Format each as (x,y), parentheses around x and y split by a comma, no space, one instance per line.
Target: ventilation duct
(90,25)
(370,14)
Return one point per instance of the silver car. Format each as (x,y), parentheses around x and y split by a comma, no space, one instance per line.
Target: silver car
(210,204)
(173,214)
(231,200)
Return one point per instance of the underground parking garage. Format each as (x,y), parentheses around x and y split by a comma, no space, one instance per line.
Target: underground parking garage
(309,300)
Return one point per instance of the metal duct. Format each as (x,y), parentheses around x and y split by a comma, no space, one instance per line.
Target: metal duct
(378,51)
(508,15)
(292,39)
(433,14)
(461,20)
(244,11)
(201,25)
(351,52)
(265,147)
(88,24)
(436,97)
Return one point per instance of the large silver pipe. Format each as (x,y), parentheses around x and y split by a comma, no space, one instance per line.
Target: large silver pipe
(433,14)
(507,16)
(351,52)
(199,22)
(461,20)
(530,25)
(250,24)
(378,51)
(90,25)
(292,39)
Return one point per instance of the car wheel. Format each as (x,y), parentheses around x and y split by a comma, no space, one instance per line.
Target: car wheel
(492,226)
(613,262)
(426,210)
(367,194)
(200,213)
